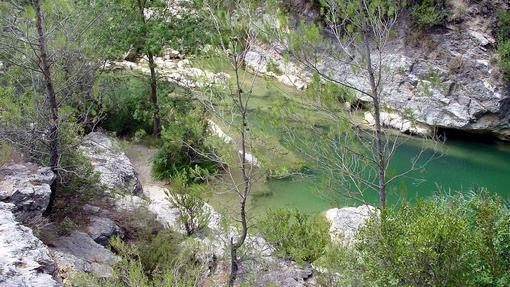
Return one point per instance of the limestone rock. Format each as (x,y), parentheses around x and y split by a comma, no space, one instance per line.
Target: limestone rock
(129,203)
(78,251)
(175,70)
(398,122)
(101,229)
(27,186)
(161,207)
(444,78)
(24,259)
(285,274)
(263,61)
(113,166)
(346,221)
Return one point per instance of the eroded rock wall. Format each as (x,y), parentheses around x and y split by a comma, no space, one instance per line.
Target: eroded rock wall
(445,76)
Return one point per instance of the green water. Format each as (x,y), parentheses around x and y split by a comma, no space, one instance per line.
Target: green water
(464,165)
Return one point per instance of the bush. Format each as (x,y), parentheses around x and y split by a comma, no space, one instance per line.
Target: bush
(184,149)
(159,252)
(5,153)
(126,103)
(448,241)
(503,42)
(294,234)
(424,245)
(429,13)
(193,214)
(491,219)
(158,262)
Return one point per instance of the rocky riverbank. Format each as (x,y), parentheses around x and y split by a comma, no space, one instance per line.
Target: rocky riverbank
(442,77)
(51,260)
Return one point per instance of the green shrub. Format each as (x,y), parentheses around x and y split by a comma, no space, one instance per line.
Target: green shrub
(503,42)
(294,234)
(184,149)
(504,58)
(447,241)
(159,252)
(67,226)
(429,13)
(422,245)
(126,103)
(160,261)
(503,26)
(5,153)
(187,198)
(491,219)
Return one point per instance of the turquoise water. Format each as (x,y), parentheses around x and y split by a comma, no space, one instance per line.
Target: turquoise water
(462,167)
(466,163)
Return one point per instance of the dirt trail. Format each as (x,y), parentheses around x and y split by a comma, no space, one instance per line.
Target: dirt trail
(141,157)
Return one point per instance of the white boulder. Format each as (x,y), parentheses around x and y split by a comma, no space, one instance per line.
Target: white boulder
(24,259)
(345,222)
(27,187)
(113,166)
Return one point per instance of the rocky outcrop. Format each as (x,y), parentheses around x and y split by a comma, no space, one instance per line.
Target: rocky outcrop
(398,122)
(285,274)
(345,222)
(115,170)
(263,61)
(27,187)
(175,69)
(160,205)
(24,259)
(102,228)
(78,251)
(441,77)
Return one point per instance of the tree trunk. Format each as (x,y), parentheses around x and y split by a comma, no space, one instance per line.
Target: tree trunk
(156,129)
(154,96)
(234,246)
(54,149)
(379,147)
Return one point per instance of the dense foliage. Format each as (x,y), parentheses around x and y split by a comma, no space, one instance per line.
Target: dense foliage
(188,199)
(184,148)
(429,13)
(165,260)
(295,235)
(503,42)
(453,241)
(126,103)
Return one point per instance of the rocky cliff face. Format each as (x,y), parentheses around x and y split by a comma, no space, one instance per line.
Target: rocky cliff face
(448,77)
(24,195)
(27,187)
(24,259)
(443,77)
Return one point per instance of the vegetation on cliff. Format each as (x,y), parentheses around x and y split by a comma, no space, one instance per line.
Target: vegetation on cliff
(68,68)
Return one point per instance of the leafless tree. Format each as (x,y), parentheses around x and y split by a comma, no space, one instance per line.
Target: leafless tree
(230,104)
(350,50)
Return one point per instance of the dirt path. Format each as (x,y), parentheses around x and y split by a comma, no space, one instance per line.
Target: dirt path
(141,157)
